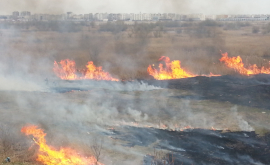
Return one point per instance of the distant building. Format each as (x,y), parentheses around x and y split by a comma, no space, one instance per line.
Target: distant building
(3,17)
(210,17)
(25,13)
(196,17)
(69,15)
(138,17)
(98,16)
(126,17)
(221,16)
(171,16)
(131,15)
(155,17)
(244,18)
(15,14)
(180,17)
(146,17)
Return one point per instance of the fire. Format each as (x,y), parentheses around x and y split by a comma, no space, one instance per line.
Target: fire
(172,70)
(66,70)
(49,156)
(214,129)
(237,64)
(211,75)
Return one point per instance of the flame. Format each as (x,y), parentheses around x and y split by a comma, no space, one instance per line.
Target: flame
(237,64)
(49,156)
(211,75)
(172,70)
(96,73)
(214,129)
(66,70)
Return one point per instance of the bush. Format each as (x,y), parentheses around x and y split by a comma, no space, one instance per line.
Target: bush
(208,23)
(168,24)
(44,26)
(266,28)
(255,29)
(116,27)
(235,25)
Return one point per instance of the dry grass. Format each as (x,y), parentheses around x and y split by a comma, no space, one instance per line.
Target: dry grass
(15,147)
(128,57)
(159,105)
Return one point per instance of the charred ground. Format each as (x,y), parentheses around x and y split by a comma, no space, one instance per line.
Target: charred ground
(139,114)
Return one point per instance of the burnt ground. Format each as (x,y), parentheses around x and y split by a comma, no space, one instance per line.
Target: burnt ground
(253,91)
(208,96)
(199,146)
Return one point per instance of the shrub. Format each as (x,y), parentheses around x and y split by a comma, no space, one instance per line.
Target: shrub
(116,27)
(255,29)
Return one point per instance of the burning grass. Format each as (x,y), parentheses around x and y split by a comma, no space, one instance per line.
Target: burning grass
(200,55)
(172,70)
(49,156)
(67,71)
(198,102)
(74,114)
(237,64)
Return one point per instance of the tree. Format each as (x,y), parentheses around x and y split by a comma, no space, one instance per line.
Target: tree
(96,149)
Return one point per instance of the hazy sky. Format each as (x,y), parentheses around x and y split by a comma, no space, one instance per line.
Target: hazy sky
(136,6)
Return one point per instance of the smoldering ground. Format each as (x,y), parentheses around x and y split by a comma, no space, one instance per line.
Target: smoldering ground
(74,113)
(75,118)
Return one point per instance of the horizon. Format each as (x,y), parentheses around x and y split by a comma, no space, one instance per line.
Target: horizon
(32,13)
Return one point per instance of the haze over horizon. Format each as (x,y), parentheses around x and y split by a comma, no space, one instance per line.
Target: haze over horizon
(136,6)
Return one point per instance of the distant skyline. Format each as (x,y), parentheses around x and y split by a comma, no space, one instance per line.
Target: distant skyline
(137,6)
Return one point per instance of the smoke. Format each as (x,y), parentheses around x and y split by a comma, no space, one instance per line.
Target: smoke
(81,111)
(88,85)
(156,6)
(18,84)
(243,125)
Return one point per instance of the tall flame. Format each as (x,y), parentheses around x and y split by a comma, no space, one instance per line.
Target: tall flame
(237,64)
(49,156)
(172,70)
(66,70)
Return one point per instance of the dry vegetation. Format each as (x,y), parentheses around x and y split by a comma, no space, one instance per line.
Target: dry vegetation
(15,147)
(127,50)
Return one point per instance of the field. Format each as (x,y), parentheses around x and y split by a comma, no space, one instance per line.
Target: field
(127,54)
(84,114)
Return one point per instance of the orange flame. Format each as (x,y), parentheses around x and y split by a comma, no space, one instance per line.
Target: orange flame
(49,156)
(237,64)
(172,70)
(211,75)
(66,70)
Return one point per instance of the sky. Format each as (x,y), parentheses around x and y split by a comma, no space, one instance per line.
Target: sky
(137,6)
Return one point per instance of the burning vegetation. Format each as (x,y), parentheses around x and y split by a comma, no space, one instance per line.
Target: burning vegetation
(49,156)
(172,70)
(66,70)
(237,64)
(149,113)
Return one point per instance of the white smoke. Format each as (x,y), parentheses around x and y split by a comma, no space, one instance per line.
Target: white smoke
(114,86)
(243,125)
(11,83)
